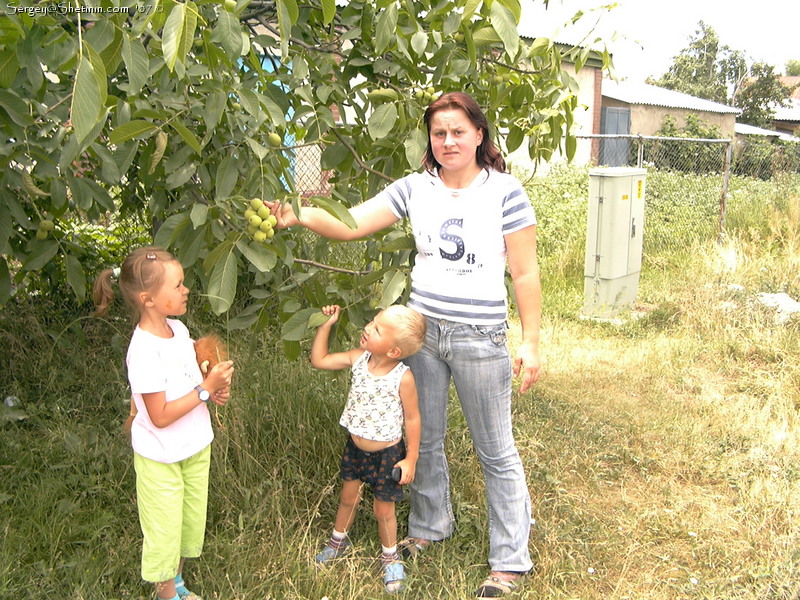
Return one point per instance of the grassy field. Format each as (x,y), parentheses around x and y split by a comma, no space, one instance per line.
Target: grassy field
(663,453)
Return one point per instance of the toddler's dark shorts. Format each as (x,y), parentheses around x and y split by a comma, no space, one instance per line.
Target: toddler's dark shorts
(374,468)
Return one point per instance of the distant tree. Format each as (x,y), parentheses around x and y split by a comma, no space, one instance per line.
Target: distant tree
(708,69)
(759,94)
(699,69)
(793,68)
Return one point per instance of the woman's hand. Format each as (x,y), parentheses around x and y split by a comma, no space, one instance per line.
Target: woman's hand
(283,213)
(529,364)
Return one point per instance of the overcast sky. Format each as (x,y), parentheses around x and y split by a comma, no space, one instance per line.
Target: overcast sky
(652,32)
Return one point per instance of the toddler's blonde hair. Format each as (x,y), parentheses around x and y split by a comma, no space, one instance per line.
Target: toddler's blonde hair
(409,330)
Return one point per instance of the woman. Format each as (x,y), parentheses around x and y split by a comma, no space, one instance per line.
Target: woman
(468,216)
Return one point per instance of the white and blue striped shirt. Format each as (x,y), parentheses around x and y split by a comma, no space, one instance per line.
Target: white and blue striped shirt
(459,269)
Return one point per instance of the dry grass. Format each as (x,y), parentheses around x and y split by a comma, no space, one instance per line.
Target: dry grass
(665,453)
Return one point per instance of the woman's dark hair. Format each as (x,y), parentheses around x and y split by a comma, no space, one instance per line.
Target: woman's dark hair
(487,154)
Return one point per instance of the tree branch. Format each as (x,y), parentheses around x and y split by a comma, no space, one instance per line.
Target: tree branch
(358,160)
(312,263)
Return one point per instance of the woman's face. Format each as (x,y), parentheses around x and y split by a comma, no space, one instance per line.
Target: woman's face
(454,139)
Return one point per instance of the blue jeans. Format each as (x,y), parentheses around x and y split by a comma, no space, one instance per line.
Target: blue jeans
(479,363)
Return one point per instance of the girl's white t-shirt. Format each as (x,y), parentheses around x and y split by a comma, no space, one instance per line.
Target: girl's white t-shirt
(166,365)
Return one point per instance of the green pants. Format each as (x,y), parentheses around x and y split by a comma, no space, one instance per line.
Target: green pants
(172,501)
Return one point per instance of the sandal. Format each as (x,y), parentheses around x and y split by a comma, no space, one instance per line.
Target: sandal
(330,553)
(393,576)
(494,587)
(412,547)
(183,593)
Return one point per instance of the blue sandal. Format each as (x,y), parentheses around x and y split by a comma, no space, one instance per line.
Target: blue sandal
(393,575)
(183,593)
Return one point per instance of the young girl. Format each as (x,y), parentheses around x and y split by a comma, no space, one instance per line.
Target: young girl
(171,433)
(382,401)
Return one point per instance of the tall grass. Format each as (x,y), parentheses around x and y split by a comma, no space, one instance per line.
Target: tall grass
(663,454)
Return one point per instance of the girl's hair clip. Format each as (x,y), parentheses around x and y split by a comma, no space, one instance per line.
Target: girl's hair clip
(115,272)
(151,256)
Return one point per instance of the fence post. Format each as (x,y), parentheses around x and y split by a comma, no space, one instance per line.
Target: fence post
(726,177)
(640,151)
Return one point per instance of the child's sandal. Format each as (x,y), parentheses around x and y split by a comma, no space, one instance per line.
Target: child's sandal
(183,593)
(393,576)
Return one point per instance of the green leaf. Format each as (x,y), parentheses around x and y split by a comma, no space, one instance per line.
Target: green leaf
(41,254)
(188,137)
(336,209)
(137,63)
(5,281)
(328,11)
(85,109)
(415,145)
(284,27)
(171,229)
(16,108)
(571,144)
(292,10)
(6,226)
(469,9)
(172,35)
(181,175)
(419,41)
(514,7)
(540,46)
(189,27)
(317,319)
(228,34)
(215,107)
(222,282)
(381,121)
(403,242)
(393,286)
(259,150)
(262,257)
(9,66)
(76,278)
(113,51)
(199,215)
(333,155)
(386,29)
(131,129)
(296,327)
(250,102)
(227,176)
(514,138)
(505,25)
(98,71)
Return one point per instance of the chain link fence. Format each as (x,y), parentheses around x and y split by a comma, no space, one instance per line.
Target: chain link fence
(690,180)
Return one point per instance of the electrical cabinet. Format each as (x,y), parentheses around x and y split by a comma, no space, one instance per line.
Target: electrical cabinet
(615,227)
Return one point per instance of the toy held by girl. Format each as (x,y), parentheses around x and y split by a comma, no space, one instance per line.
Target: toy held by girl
(382,402)
(171,432)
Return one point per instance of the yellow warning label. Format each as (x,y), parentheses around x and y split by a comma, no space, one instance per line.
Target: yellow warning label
(625,197)
(639,186)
